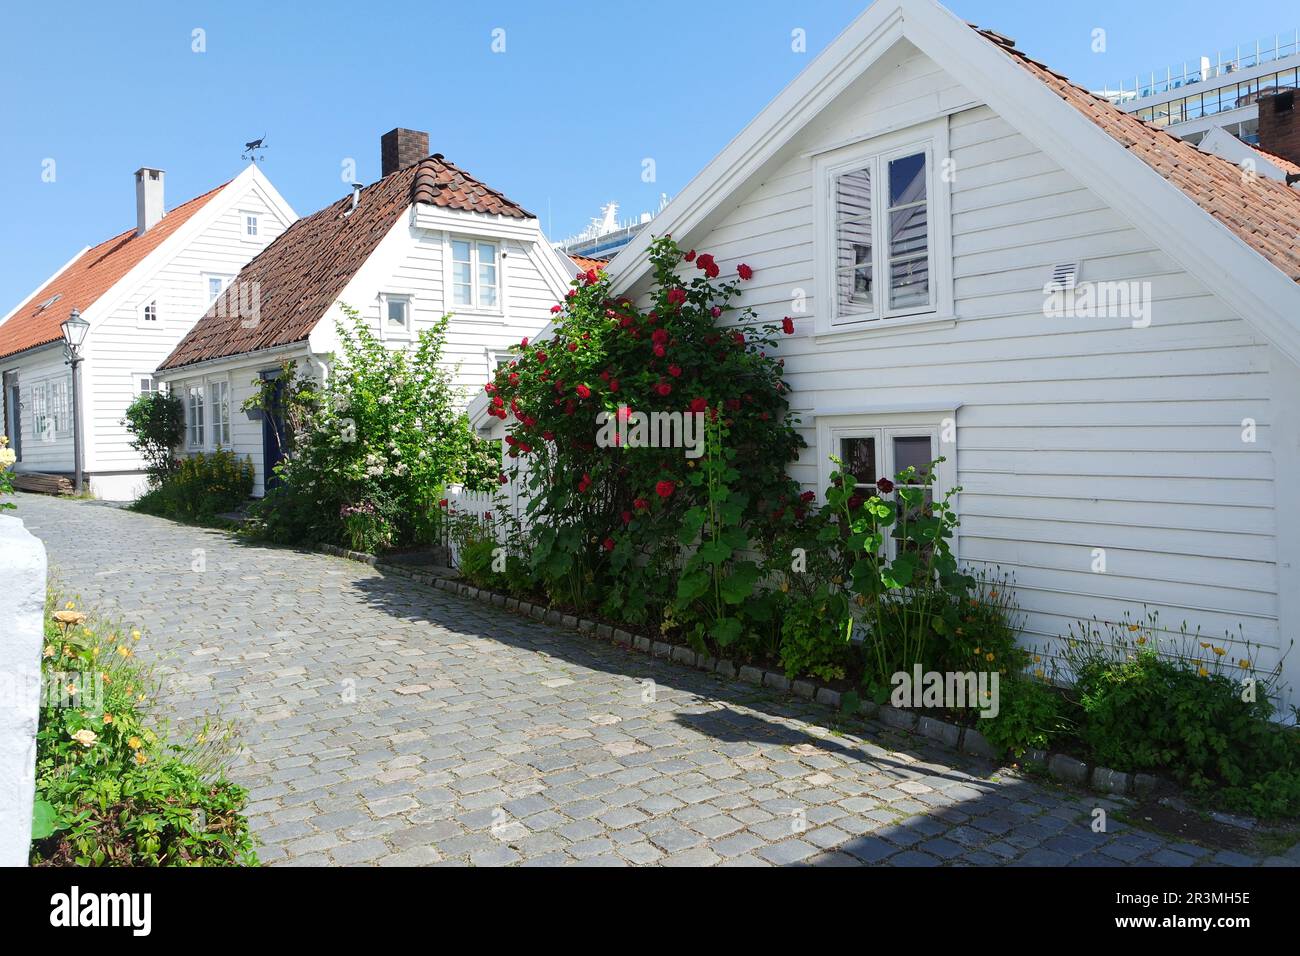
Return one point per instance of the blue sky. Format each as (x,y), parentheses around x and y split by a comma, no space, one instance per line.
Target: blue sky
(560,121)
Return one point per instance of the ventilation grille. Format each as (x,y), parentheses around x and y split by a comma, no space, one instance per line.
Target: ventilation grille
(1064,275)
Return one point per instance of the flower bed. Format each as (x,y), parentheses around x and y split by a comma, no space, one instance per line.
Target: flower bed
(112,788)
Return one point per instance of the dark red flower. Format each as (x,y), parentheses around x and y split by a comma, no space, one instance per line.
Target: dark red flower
(744,271)
(676,296)
(640,504)
(659,351)
(699,404)
(659,336)
(707,264)
(523,343)
(442,503)
(664,489)
(716,312)
(489,388)
(690,256)
(627,517)
(583,391)
(738,338)
(609,544)
(675,371)
(663,388)
(556,308)
(884,485)
(854,502)
(787,325)
(503,479)
(807,496)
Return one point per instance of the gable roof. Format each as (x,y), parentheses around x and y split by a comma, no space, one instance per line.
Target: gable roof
(297,278)
(1263,212)
(87,278)
(1238,239)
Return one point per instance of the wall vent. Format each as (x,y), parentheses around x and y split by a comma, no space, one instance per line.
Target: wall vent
(1064,275)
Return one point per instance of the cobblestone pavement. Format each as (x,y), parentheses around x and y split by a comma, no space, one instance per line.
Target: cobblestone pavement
(391,723)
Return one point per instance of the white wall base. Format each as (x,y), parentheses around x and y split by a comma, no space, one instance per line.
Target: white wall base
(127,487)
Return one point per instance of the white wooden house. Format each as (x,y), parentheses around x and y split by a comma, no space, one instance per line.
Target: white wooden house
(141,291)
(425,240)
(1125,437)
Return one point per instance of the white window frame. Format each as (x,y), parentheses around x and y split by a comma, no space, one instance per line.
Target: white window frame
(244,216)
(476,306)
(48,400)
(145,323)
(940,425)
(137,391)
(192,389)
(387,331)
(931,138)
(208,297)
(217,415)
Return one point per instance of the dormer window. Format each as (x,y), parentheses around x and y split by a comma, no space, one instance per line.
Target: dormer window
(883,231)
(475,274)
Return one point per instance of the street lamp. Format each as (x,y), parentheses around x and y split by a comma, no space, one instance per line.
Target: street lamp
(74,333)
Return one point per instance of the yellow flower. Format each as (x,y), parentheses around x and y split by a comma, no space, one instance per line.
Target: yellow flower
(1243,663)
(135,743)
(1039,672)
(1134,627)
(1204,672)
(140,758)
(977,650)
(71,690)
(85,737)
(1205,647)
(94,651)
(1219,651)
(49,650)
(135,634)
(124,650)
(1141,641)
(1037,659)
(70,605)
(988,656)
(108,718)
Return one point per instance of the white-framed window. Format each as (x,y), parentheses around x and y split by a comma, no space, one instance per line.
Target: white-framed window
(51,407)
(144,383)
(214,284)
(883,230)
(195,433)
(149,316)
(475,274)
(218,414)
(879,445)
(395,313)
(250,226)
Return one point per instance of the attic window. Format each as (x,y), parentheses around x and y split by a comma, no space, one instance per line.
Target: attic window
(148,315)
(252,226)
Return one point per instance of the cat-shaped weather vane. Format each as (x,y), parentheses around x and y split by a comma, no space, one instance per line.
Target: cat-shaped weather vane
(253,149)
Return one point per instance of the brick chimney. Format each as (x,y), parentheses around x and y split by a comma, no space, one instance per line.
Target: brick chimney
(399,148)
(1279,127)
(148,198)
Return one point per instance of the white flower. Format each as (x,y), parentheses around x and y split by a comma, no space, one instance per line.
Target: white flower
(385,399)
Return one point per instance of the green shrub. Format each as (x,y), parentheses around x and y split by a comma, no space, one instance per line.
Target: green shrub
(371,447)
(202,487)
(112,789)
(156,422)
(814,642)
(1031,714)
(1157,715)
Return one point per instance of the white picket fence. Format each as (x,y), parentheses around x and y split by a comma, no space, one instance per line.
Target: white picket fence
(485,506)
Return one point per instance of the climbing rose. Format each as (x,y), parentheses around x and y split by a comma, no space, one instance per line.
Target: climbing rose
(523,343)
(707,265)
(690,256)
(554,309)
(675,371)
(640,504)
(699,404)
(664,489)
(787,325)
(584,391)
(663,388)
(489,388)
(676,296)
(744,271)
(503,479)
(609,544)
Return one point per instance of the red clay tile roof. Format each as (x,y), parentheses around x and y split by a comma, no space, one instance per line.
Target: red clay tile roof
(1281,162)
(586,263)
(87,278)
(300,275)
(1263,212)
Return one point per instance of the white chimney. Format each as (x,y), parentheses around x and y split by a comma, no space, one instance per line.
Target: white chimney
(148,198)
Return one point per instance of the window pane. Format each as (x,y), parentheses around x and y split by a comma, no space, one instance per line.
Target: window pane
(853,196)
(859,456)
(487,296)
(460,250)
(462,272)
(909,283)
(487,253)
(907,179)
(462,294)
(908,232)
(914,451)
(397,313)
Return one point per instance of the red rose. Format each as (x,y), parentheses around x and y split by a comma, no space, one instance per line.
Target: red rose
(503,479)
(489,388)
(554,309)
(609,544)
(787,325)
(523,343)
(591,277)
(716,312)
(613,385)
(442,503)
(690,256)
(884,485)
(707,264)
(583,391)
(738,338)
(744,271)
(659,336)
(663,388)
(659,351)
(676,296)
(573,346)
(548,436)
(699,404)
(807,496)
(854,502)
(675,371)
(664,489)
(541,357)
(640,504)
(627,517)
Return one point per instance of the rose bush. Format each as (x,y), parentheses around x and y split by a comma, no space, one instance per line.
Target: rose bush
(613,526)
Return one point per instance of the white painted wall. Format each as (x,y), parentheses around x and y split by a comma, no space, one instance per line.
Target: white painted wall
(1073,434)
(22,569)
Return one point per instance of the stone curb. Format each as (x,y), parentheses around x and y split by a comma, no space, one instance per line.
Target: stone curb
(967,740)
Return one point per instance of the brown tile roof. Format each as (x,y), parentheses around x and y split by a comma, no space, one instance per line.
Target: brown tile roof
(302,273)
(87,278)
(586,263)
(1263,212)
(1281,162)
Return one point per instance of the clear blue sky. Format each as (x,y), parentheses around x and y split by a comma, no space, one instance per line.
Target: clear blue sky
(560,121)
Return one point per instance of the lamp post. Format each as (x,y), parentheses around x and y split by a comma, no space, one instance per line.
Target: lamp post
(74,333)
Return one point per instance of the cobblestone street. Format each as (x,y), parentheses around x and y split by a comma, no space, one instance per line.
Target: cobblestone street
(391,723)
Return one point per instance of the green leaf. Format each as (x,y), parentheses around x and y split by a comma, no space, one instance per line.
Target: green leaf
(45,820)
(739,585)
(691,586)
(725,631)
